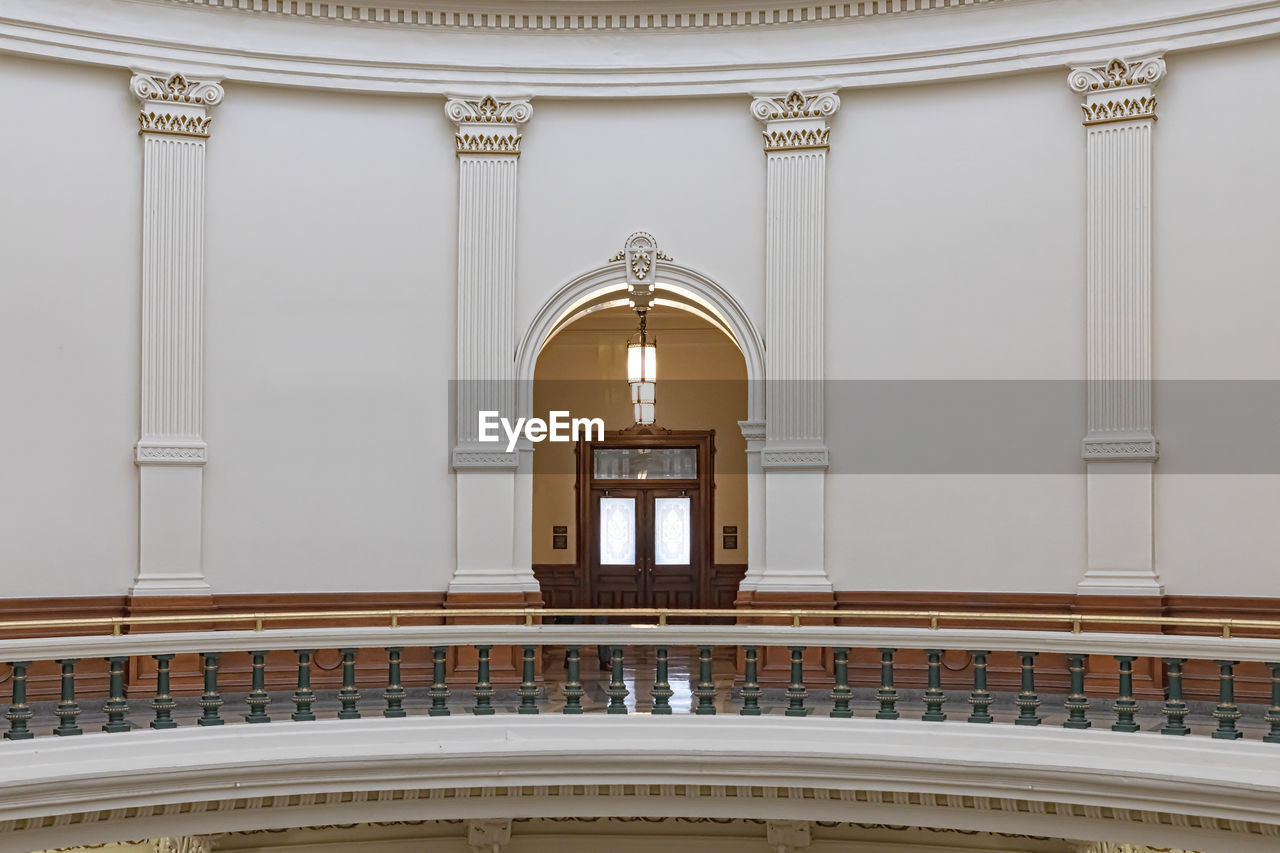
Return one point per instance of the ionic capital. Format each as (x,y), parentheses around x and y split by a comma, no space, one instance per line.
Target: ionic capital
(175,104)
(488,125)
(796,121)
(1119,90)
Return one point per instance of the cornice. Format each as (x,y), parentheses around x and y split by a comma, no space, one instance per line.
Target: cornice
(826,54)
(602,15)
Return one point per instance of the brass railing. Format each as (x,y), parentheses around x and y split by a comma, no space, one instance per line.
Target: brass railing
(531,615)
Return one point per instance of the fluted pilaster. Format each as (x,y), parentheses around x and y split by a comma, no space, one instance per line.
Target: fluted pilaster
(174,125)
(494,488)
(1119,114)
(1120,445)
(488,145)
(791,557)
(796,136)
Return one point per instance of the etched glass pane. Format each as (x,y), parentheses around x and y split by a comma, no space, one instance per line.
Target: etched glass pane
(645,463)
(617,531)
(671,531)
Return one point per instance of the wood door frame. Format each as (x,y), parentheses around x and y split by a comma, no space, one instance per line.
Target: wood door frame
(649,436)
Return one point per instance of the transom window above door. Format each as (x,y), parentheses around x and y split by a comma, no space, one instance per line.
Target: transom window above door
(645,463)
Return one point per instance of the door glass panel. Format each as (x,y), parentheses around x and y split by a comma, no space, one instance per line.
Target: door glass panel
(671,531)
(645,463)
(617,531)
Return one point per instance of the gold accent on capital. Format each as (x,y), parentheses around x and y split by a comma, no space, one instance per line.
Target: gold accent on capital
(1128,109)
(176,89)
(797,140)
(1116,74)
(796,105)
(488,143)
(174,125)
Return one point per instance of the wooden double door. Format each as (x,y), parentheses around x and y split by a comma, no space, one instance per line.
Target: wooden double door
(645,515)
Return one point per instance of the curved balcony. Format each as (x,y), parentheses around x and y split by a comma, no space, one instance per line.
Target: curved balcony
(570,743)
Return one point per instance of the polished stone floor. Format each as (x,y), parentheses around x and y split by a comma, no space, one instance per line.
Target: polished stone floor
(639,675)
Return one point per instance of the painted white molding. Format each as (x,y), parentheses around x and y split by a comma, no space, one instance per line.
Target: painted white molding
(794,456)
(754,433)
(718,304)
(488,836)
(489,491)
(692,59)
(1119,115)
(788,836)
(174,123)
(1093,785)
(588,17)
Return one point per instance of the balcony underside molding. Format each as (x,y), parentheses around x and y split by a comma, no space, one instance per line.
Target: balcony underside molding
(1106,785)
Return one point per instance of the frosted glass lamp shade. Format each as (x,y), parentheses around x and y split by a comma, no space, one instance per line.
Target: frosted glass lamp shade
(642,361)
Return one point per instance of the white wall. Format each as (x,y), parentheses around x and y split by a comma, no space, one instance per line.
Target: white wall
(690,172)
(330,343)
(1216,304)
(955,251)
(70,219)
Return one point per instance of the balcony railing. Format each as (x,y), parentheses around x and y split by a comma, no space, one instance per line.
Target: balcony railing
(392,633)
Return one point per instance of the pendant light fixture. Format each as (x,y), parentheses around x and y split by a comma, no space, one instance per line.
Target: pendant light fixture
(641,256)
(642,372)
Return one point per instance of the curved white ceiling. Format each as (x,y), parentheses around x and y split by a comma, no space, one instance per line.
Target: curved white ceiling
(327,45)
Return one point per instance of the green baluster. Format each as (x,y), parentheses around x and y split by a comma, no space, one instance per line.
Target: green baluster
(980,697)
(840,693)
(68,709)
(163,703)
(1125,707)
(796,692)
(394,695)
(1175,710)
(573,682)
(1027,700)
(662,691)
(210,700)
(750,684)
(933,695)
(19,712)
(484,689)
(887,695)
(304,697)
(439,691)
(706,690)
(1226,713)
(617,691)
(1273,713)
(528,686)
(258,697)
(348,695)
(116,707)
(1077,703)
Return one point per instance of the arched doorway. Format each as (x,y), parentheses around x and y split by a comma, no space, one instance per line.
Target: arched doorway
(642,517)
(711,379)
